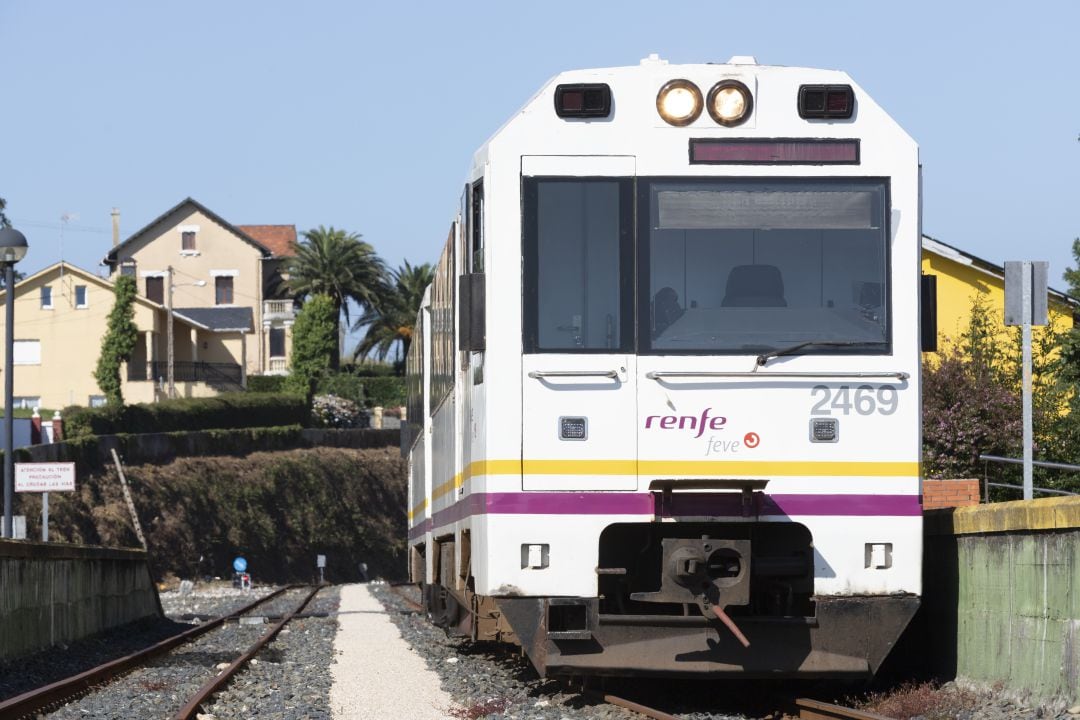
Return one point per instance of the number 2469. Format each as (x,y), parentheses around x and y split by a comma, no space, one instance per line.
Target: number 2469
(866,400)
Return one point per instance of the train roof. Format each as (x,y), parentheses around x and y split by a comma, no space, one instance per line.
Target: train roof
(645,78)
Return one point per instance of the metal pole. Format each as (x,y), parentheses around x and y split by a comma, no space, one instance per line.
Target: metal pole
(9,392)
(1028,487)
(44,517)
(170,360)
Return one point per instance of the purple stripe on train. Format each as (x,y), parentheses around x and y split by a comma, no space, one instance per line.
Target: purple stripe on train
(676,505)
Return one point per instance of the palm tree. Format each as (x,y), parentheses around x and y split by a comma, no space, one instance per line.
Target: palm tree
(391,320)
(340,265)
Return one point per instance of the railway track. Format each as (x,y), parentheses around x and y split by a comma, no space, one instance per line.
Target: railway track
(54,695)
(808,709)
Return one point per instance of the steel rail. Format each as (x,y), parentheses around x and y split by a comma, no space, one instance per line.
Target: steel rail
(817,710)
(628,705)
(191,707)
(408,600)
(63,690)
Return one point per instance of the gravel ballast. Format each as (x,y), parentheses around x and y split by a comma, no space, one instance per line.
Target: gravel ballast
(398,657)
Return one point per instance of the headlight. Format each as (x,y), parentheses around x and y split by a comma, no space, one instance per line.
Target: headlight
(679,102)
(730,102)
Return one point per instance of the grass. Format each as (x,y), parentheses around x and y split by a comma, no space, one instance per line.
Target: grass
(927,700)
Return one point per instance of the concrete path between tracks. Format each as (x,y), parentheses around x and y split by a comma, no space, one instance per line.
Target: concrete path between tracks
(376,674)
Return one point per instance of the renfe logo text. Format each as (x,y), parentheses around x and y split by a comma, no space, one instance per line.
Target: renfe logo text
(686,422)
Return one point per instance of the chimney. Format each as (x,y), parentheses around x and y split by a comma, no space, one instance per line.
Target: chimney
(115,226)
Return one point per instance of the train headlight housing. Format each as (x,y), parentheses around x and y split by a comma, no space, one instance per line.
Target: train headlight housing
(679,102)
(730,102)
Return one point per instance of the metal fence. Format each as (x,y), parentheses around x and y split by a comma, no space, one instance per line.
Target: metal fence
(987,459)
(210,373)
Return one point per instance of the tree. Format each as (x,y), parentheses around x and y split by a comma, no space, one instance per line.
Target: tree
(1072,275)
(314,343)
(3,218)
(393,318)
(339,265)
(119,341)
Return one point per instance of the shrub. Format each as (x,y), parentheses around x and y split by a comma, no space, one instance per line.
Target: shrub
(230,410)
(315,340)
(332,411)
(266,383)
(384,391)
(966,413)
(345,385)
(371,368)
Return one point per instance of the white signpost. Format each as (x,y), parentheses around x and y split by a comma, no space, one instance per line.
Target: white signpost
(45,478)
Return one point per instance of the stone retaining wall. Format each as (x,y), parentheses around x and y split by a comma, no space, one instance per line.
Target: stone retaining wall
(57,593)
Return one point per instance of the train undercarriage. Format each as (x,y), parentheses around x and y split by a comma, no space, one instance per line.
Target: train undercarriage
(690,599)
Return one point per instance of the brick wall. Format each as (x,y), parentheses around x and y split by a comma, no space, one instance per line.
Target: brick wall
(949,493)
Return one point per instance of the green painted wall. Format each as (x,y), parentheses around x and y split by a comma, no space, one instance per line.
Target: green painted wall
(1005,606)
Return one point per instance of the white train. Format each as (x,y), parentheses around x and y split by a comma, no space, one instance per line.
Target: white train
(664,406)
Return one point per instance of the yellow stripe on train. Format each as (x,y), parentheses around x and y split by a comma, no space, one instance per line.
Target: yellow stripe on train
(651,468)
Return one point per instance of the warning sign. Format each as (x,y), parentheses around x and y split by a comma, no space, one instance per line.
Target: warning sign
(44,477)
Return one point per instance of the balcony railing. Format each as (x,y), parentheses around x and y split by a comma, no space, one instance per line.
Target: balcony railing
(278,310)
(215,374)
(279,365)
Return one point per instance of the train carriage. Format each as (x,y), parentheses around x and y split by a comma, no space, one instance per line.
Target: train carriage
(664,408)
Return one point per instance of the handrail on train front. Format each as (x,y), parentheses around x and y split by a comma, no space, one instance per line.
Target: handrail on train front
(536,374)
(660,374)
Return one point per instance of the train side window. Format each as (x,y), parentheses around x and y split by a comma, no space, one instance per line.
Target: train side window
(578,267)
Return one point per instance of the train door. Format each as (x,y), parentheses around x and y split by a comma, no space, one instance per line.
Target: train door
(579,394)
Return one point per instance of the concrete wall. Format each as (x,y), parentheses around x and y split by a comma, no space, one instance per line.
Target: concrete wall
(54,593)
(1002,595)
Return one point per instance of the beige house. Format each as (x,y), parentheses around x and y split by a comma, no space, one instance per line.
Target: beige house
(61,315)
(224,280)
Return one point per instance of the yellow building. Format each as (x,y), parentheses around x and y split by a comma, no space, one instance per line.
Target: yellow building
(61,315)
(224,278)
(963,277)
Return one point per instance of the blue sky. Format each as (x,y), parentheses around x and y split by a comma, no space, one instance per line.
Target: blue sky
(364,115)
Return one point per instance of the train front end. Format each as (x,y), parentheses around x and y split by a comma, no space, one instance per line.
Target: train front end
(714,349)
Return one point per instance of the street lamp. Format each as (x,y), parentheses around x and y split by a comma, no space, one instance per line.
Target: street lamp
(13,248)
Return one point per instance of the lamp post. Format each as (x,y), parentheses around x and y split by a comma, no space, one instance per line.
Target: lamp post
(12,249)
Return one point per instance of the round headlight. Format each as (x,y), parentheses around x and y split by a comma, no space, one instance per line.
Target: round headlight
(730,102)
(679,102)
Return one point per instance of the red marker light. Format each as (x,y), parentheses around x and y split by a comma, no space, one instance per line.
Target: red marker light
(826,102)
(586,100)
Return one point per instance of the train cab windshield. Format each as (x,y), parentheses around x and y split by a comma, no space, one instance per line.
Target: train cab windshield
(750,267)
(722,266)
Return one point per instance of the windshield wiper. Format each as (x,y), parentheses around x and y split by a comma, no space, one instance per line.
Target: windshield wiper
(764,357)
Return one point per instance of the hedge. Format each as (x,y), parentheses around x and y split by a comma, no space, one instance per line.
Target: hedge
(266,383)
(384,391)
(227,411)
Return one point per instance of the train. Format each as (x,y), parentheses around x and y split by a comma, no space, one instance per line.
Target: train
(663,412)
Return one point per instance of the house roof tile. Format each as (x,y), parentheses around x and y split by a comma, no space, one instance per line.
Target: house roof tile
(278,239)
